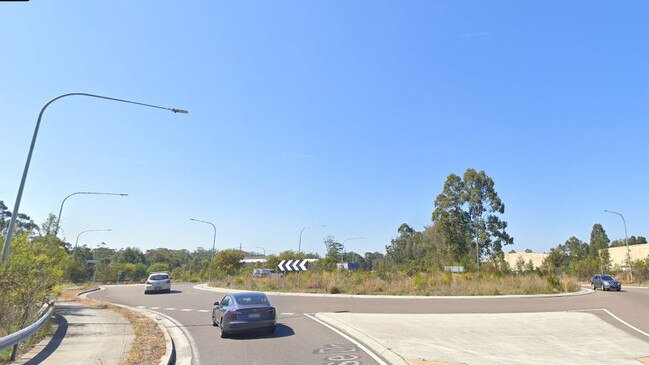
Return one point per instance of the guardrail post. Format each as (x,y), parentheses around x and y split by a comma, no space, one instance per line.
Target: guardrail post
(14,352)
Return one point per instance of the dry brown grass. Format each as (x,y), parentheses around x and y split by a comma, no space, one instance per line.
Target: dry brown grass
(149,344)
(399,283)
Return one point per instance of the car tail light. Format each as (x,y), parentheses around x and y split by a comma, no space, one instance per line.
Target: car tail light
(231,314)
(168,281)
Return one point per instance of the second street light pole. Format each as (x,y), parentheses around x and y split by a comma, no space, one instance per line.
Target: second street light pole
(299,248)
(58,218)
(213,247)
(12,222)
(626,241)
(345,240)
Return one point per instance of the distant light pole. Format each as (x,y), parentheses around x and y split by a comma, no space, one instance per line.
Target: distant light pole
(262,250)
(299,246)
(213,246)
(626,237)
(12,222)
(58,219)
(89,230)
(345,240)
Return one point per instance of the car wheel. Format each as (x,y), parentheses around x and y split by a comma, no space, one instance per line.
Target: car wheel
(168,291)
(272,329)
(222,333)
(214,320)
(146,292)
(618,289)
(594,287)
(603,287)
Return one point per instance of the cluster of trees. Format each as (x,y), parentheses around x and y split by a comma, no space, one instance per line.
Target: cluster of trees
(583,259)
(466,228)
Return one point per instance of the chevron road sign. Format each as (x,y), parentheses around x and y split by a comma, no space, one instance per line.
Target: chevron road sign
(293,265)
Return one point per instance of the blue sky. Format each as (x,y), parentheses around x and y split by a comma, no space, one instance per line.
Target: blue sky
(347,114)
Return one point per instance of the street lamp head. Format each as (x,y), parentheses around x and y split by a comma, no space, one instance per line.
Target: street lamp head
(181,111)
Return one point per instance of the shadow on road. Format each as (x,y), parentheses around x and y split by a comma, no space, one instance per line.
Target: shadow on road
(54,342)
(281,330)
(163,293)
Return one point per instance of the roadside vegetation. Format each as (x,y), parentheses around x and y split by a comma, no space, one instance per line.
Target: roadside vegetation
(467,229)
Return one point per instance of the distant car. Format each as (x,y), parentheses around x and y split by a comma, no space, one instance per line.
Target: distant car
(244,312)
(605,282)
(265,272)
(158,282)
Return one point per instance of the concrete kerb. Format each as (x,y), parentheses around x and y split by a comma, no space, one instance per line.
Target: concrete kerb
(168,357)
(583,291)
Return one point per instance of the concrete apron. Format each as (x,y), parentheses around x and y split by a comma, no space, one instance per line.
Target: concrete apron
(498,338)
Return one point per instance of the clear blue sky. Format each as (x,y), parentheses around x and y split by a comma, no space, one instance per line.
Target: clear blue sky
(348,114)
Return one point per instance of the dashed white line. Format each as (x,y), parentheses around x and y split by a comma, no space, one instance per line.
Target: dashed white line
(170,309)
(154,307)
(186,310)
(202,310)
(287,314)
(141,306)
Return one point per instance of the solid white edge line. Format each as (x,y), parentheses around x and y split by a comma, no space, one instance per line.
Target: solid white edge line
(625,323)
(355,342)
(614,317)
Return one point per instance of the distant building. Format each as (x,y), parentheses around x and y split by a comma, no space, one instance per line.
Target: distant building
(537,258)
(618,256)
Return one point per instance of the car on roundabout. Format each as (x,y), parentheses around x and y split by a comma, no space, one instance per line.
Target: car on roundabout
(158,282)
(244,312)
(605,282)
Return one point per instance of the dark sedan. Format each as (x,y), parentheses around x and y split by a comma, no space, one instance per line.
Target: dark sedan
(605,282)
(244,312)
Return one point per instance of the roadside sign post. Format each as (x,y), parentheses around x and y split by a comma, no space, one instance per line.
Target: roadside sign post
(293,265)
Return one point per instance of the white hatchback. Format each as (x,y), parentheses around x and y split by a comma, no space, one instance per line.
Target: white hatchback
(158,282)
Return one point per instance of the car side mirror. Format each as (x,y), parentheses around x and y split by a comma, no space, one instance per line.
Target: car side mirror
(217,304)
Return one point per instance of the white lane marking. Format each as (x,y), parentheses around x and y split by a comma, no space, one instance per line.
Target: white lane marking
(617,318)
(287,314)
(154,307)
(202,310)
(186,310)
(170,309)
(360,345)
(141,306)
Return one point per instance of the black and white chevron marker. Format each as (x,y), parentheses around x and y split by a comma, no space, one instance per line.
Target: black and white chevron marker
(293,265)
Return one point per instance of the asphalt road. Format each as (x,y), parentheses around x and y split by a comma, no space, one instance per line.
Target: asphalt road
(298,339)
(301,340)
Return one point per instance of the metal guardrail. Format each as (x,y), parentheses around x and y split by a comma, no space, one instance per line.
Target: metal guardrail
(17,337)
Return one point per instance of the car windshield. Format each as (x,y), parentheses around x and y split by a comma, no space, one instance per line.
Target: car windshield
(607,277)
(251,299)
(158,277)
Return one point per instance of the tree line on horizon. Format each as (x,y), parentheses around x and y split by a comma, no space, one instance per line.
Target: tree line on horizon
(466,230)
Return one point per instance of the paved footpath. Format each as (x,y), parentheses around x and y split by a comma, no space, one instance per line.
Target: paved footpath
(85,335)
(567,338)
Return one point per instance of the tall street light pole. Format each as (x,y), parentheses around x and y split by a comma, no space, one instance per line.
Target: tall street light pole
(345,240)
(58,219)
(299,246)
(213,245)
(12,222)
(626,242)
(263,249)
(89,230)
